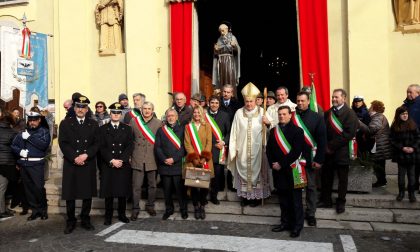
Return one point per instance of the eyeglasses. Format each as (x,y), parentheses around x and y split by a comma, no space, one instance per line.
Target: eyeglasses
(99,106)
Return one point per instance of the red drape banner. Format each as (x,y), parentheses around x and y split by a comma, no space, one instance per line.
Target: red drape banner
(181,47)
(313,27)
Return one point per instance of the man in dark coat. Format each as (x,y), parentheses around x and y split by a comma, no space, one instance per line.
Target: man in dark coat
(220,125)
(31,146)
(285,145)
(412,103)
(116,148)
(229,104)
(79,141)
(313,126)
(184,111)
(169,151)
(341,123)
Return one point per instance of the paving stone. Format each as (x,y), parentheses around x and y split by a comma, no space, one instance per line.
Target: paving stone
(356,214)
(243,219)
(266,210)
(406,216)
(225,207)
(232,196)
(344,225)
(395,227)
(359,179)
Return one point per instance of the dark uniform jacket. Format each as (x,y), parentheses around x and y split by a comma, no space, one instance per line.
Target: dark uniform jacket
(283,179)
(79,182)
(339,143)
(164,149)
(316,126)
(231,109)
(115,144)
(143,149)
(37,145)
(223,121)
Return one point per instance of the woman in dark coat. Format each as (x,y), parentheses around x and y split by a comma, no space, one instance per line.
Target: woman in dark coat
(405,143)
(169,151)
(115,149)
(364,143)
(8,172)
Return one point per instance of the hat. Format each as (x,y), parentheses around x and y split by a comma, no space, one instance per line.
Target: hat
(122,97)
(271,94)
(260,96)
(75,96)
(33,115)
(358,98)
(198,97)
(82,101)
(115,107)
(250,91)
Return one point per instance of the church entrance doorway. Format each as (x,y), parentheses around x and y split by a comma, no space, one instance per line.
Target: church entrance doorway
(266,31)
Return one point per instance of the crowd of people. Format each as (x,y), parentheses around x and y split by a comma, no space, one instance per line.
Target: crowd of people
(264,150)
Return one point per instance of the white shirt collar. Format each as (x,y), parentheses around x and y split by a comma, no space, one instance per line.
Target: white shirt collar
(79,119)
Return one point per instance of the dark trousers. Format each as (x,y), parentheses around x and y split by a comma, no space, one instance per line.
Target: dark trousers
(229,180)
(169,182)
(311,193)
(109,206)
(291,209)
(410,171)
(33,182)
(328,179)
(199,196)
(84,214)
(218,182)
(379,168)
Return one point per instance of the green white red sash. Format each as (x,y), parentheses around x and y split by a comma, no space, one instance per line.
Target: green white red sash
(134,113)
(217,133)
(338,127)
(172,136)
(144,129)
(282,141)
(195,139)
(309,139)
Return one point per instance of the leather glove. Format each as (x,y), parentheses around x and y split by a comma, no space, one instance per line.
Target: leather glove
(25,135)
(24,153)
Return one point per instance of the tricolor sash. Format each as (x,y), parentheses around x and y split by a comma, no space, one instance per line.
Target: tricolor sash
(309,139)
(219,137)
(172,136)
(282,141)
(195,139)
(338,127)
(133,113)
(144,129)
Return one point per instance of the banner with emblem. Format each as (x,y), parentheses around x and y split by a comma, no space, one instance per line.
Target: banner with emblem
(24,66)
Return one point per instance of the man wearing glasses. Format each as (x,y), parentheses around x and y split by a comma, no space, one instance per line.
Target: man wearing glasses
(79,142)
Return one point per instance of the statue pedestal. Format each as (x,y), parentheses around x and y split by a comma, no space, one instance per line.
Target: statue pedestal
(360,179)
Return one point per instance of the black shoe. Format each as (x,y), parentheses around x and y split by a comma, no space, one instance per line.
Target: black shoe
(151,211)
(255,203)
(69,227)
(311,221)
(295,233)
(14,203)
(202,213)
(379,184)
(244,202)
(33,216)
(279,228)
(400,196)
(184,215)
(214,200)
(107,221)
(24,212)
(87,226)
(340,208)
(134,216)
(197,212)
(123,218)
(412,197)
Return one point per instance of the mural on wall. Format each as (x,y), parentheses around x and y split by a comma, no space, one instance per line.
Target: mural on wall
(407,15)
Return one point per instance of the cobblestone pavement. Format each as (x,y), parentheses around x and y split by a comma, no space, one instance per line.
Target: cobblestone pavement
(17,234)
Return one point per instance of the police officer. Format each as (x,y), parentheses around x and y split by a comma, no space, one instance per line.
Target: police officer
(79,142)
(31,146)
(116,148)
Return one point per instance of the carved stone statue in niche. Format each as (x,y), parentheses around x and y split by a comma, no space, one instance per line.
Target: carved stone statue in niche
(407,12)
(109,18)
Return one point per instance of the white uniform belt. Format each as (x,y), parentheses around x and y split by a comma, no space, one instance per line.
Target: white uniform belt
(32,159)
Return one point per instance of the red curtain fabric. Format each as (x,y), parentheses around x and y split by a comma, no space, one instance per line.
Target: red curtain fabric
(313,26)
(181,46)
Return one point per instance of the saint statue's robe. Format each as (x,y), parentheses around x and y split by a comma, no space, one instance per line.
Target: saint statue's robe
(246,154)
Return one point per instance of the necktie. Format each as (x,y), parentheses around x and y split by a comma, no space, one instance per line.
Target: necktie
(226,103)
(81,122)
(115,126)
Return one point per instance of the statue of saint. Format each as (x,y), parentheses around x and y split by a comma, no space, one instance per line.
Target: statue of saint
(407,12)
(109,18)
(226,59)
